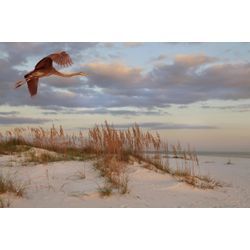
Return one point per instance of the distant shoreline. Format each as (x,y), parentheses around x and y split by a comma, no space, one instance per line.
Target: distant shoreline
(218,154)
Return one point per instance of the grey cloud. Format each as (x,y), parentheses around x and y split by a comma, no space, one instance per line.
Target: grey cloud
(102,111)
(9,113)
(217,81)
(114,75)
(159,58)
(161,126)
(188,79)
(194,60)
(132,44)
(182,106)
(21,120)
(108,44)
(52,107)
(20,52)
(235,108)
(163,86)
(50,113)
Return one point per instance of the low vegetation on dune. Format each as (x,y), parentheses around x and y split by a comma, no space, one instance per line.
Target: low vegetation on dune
(114,172)
(12,146)
(4,203)
(113,151)
(8,185)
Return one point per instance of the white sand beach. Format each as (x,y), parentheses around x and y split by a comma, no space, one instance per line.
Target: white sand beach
(76,183)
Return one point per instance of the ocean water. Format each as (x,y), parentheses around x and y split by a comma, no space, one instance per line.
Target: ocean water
(219,154)
(226,154)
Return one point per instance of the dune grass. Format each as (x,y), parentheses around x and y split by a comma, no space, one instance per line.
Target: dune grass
(106,190)
(114,172)
(4,203)
(42,158)
(12,146)
(113,150)
(8,185)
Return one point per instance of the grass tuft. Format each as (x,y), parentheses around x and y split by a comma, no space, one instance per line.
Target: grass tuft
(7,185)
(104,191)
(4,204)
(114,172)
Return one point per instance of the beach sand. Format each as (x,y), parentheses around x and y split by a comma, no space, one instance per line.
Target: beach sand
(62,184)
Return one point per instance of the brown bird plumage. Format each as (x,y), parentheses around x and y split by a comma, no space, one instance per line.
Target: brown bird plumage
(45,68)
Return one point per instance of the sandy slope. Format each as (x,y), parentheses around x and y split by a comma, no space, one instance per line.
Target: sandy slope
(59,184)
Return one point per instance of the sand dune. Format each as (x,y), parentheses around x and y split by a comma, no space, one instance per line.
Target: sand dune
(76,184)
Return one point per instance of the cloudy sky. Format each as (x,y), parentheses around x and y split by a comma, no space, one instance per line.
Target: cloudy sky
(196,93)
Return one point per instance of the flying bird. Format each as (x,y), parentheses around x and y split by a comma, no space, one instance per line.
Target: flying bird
(45,68)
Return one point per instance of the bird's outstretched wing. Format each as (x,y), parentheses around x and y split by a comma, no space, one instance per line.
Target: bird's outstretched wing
(32,86)
(62,58)
(45,63)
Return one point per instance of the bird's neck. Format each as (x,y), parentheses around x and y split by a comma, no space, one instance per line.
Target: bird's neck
(66,74)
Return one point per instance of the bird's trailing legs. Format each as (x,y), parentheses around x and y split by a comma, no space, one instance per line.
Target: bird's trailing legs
(21,82)
(27,78)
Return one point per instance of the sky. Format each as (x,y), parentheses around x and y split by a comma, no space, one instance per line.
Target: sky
(195,93)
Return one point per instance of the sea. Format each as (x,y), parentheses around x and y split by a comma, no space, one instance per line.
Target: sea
(226,154)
